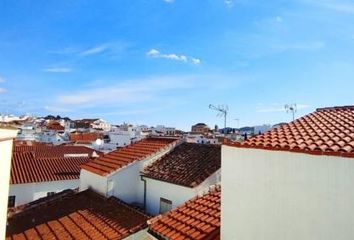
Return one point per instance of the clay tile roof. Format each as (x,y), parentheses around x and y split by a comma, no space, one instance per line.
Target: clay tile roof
(117,159)
(328,131)
(189,164)
(47,163)
(83,215)
(55,126)
(199,218)
(85,136)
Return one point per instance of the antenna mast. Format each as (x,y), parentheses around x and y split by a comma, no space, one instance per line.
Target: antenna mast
(223,110)
(291,108)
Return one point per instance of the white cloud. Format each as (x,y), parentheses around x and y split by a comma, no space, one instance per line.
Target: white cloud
(172,56)
(2,90)
(127,92)
(278,19)
(195,60)
(95,50)
(2,80)
(229,3)
(169,1)
(153,52)
(58,70)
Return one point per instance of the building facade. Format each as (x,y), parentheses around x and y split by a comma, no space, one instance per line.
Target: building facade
(293,182)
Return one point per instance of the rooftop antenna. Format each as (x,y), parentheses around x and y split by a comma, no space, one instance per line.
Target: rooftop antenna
(222,111)
(291,108)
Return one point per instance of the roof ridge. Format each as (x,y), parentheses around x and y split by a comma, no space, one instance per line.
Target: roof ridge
(315,133)
(335,108)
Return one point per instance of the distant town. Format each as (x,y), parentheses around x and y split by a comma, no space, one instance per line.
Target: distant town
(101,135)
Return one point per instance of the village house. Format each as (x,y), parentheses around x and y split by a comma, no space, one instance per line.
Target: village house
(292,182)
(7,135)
(118,172)
(200,128)
(39,171)
(180,175)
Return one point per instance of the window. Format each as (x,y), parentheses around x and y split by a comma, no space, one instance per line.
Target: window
(50,194)
(165,205)
(11,201)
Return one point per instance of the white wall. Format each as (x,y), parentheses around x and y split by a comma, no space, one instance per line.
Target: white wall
(125,183)
(6,136)
(156,189)
(29,192)
(94,181)
(285,195)
(178,194)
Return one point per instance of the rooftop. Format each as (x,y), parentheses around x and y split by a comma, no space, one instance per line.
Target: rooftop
(85,136)
(117,159)
(47,163)
(83,215)
(189,164)
(199,218)
(328,131)
(50,151)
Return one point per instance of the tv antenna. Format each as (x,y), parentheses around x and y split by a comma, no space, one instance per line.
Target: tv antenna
(222,111)
(291,108)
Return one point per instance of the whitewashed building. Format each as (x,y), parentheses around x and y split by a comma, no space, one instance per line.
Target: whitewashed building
(101,124)
(200,138)
(27,132)
(7,136)
(188,170)
(40,171)
(122,136)
(118,173)
(293,182)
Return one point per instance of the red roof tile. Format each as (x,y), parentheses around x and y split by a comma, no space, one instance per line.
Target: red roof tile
(47,163)
(47,151)
(119,158)
(199,218)
(53,125)
(189,164)
(83,136)
(84,215)
(328,131)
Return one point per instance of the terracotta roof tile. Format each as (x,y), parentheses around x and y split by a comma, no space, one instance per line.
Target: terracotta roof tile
(117,159)
(84,215)
(328,131)
(85,136)
(189,164)
(47,163)
(191,221)
(55,126)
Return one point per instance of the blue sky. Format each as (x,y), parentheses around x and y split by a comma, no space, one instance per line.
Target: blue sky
(165,61)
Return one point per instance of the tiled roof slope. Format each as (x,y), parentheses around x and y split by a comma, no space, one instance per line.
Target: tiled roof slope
(85,136)
(199,218)
(84,215)
(46,151)
(328,131)
(189,164)
(26,168)
(117,159)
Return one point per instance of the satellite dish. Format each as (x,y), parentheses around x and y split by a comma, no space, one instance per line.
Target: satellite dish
(99,142)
